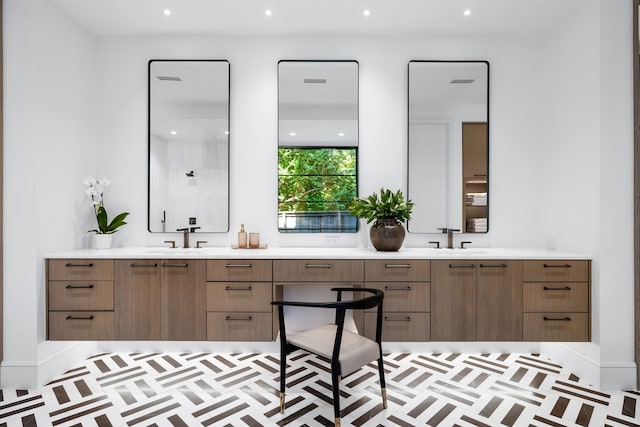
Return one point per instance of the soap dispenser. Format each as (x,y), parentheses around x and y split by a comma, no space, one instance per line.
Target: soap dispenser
(242,237)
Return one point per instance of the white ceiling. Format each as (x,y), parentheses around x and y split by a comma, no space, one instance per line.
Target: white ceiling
(342,17)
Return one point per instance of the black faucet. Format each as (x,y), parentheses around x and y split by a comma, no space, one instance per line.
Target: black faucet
(449,232)
(185,232)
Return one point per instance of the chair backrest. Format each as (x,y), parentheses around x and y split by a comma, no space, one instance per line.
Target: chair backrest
(363,303)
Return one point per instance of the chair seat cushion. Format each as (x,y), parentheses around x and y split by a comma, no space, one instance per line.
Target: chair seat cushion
(355,351)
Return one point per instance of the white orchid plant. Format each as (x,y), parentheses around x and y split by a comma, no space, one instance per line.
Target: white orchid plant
(95,191)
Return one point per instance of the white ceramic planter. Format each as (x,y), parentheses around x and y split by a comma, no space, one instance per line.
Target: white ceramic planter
(102,241)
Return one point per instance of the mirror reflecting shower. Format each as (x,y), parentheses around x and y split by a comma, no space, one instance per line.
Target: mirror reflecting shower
(188,145)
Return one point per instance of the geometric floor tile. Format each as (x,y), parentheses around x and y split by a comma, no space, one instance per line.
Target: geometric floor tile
(205,389)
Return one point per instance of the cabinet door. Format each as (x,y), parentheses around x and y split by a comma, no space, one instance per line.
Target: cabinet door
(137,299)
(453,300)
(499,287)
(184,296)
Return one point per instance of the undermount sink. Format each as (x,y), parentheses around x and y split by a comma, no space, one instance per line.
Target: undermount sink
(465,251)
(167,250)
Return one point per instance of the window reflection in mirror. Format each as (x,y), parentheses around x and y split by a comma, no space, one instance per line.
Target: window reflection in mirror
(317,145)
(188,145)
(448,145)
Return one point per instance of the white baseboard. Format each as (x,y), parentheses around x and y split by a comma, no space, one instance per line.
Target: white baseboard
(20,375)
(618,376)
(30,375)
(33,374)
(605,376)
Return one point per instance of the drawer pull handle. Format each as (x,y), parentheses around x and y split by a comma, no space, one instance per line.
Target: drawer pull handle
(176,265)
(71,265)
(566,288)
(397,319)
(555,319)
(557,266)
(237,265)
(462,266)
(79,287)
(229,288)
(231,318)
(134,265)
(493,265)
(79,318)
(317,266)
(397,266)
(397,288)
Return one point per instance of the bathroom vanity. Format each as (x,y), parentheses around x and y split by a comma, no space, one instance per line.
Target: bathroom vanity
(221,294)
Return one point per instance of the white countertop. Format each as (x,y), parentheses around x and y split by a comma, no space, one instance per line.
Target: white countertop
(314,253)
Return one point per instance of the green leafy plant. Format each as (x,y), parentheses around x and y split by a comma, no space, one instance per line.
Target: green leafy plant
(95,191)
(386,205)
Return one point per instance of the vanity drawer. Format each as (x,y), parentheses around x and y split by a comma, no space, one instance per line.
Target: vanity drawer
(555,271)
(397,270)
(404,296)
(238,270)
(319,270)
(560,327)
(399,327)
(555,297)
(230,326)
(80,269)
(239,296)
(81,325)
(81,295)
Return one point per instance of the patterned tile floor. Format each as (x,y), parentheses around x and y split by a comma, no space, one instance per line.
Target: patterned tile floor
(145,389)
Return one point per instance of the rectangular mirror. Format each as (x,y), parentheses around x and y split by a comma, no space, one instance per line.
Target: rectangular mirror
(317,146)
(188,145)
(448,146)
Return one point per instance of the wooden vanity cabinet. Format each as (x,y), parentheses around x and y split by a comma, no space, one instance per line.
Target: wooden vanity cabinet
(499,299)
(557,300)
(238,301)
(80,299)
(453,300)
(183,300)
(160,300)
(406,305)
(137,295)
(230,300)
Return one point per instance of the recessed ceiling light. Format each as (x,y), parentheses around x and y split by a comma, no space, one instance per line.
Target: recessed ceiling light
(167,12)
(341,134)
(267,12)
(173,132)
(226,132)
(292,134)
(467,12)
(366,12)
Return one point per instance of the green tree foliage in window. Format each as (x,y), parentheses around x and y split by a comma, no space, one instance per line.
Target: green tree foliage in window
(316,179)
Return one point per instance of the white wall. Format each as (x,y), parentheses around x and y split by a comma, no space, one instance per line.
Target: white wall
(615,238)
(49,81)
(585,194)
(530,114)
(383,122)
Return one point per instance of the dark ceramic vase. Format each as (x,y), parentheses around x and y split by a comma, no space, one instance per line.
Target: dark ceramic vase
(387,234)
